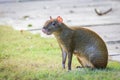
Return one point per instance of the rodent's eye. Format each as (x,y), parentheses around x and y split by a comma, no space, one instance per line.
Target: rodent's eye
(53,23)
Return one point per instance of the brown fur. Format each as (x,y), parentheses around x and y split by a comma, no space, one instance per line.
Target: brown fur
(88,47)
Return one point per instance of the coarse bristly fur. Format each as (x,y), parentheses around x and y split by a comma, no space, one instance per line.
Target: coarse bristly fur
(88,47)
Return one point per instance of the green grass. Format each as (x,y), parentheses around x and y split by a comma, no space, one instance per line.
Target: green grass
(24,56)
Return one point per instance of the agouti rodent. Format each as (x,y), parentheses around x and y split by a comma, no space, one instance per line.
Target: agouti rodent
(88,47)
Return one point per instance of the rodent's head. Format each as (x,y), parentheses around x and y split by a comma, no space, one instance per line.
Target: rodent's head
(52,25)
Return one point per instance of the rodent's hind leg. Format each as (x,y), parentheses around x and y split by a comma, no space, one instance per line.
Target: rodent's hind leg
(80,63)
(85,62)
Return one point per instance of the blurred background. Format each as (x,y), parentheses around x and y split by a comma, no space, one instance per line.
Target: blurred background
(31,15)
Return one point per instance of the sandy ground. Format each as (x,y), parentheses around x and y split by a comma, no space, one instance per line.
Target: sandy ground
(28,15)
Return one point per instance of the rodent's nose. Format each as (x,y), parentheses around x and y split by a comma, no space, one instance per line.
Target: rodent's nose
(43,30)
(44,27)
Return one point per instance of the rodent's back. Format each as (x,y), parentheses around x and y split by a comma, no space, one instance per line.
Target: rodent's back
(91,45)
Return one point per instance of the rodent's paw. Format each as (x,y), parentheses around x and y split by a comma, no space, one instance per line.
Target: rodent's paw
(79,67)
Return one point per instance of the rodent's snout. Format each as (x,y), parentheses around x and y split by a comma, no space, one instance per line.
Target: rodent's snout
(43,30)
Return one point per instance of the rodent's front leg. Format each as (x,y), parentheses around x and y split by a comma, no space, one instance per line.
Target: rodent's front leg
(64,55)
(69,60)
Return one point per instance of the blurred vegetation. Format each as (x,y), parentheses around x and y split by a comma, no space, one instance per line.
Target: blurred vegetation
(24,56)
(29,25)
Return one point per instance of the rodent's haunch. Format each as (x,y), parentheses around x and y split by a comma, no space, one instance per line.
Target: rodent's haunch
(88,47)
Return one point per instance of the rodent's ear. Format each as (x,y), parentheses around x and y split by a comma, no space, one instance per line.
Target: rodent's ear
(51,18)
(59,19)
